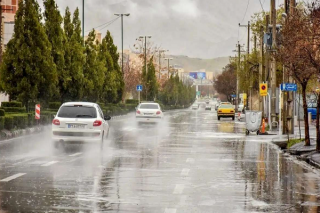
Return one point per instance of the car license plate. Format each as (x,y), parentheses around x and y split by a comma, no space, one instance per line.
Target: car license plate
(76,126)
(148,113)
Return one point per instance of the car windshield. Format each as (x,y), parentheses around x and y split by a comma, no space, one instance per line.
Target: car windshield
(149,106)
(227,106)
(77,112)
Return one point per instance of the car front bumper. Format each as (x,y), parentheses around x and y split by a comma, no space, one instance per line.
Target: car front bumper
(229,115)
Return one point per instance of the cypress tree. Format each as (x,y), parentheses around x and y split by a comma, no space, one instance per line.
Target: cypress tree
(74,58)
(112,49)
(28,72)
(54,31)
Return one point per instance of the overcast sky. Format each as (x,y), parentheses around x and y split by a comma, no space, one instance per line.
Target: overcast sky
(196,28)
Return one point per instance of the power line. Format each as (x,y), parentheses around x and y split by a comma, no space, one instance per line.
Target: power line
(261,5)
(246,11)
(109,22)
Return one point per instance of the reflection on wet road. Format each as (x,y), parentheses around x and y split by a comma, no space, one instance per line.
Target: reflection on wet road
(189,163)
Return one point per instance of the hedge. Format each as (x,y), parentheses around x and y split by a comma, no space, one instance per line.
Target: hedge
(8,122)
(14,109)
(54,105)
(11,104)
(2,123)
(20,121)
(2,112)
(132,101)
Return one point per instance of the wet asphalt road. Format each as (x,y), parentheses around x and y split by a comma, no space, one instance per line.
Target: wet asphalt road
(190,163)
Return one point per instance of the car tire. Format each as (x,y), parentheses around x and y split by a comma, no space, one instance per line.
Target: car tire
(233,118)
(218,118)
(102,141)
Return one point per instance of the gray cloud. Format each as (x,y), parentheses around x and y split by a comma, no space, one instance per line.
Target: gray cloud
(197,28)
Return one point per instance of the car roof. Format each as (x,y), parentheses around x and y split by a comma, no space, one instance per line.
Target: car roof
(79,103)
(149,103)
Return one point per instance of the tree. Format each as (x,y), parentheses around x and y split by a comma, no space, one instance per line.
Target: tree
(132,76)
(292,54)
(74,58)
(112,49)
(28,72)
(150,83)
(54,31)
(94,70)
(226,82)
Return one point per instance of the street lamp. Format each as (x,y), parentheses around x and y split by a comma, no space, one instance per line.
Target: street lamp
(121,15)
(168,64)
(161,51)
(145,50)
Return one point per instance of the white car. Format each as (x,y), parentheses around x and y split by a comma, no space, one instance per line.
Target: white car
(79,122)
(195,106)
(208,107)
(149,113)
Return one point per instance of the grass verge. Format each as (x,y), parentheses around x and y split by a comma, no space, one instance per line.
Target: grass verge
(293,142)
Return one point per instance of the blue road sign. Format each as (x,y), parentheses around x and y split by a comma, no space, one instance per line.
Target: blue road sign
(289,87)
(139,88)
(233,96)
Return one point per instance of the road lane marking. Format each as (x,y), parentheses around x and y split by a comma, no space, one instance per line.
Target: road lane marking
(24,161)
(76,154)
(168,210)
(50,163)
(185,172)
(178,189)
(183,200)
(190,160)
(12,177)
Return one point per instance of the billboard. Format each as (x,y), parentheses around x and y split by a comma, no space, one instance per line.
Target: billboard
(198,75)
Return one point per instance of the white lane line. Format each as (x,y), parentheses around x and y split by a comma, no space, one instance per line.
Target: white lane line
(12,177)
(183,200)
(168,210)
(50,163)
(30,159)
(178,189)
(185,172)
(190,160)
(76,154)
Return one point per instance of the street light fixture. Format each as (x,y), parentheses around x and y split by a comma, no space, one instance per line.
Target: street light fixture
(168,64)
(121,15)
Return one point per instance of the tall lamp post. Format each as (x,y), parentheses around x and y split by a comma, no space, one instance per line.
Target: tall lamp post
(161,51)
(168,64)
(121,15)
(145,50)
(83,19)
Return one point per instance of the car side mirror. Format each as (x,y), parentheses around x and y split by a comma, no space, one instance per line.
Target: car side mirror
(107,117)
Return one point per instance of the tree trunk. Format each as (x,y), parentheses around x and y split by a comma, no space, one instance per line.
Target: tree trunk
(318,125)
(299,116)
(305,115)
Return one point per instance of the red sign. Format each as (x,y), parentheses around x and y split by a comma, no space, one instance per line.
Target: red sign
(37,115)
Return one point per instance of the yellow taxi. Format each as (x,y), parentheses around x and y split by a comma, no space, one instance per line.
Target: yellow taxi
(226,111)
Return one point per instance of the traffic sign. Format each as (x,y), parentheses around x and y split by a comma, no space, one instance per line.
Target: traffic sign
(233,96)
(289,87)
(139,88)
(263,89)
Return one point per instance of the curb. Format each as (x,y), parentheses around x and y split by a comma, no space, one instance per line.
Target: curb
(6,134)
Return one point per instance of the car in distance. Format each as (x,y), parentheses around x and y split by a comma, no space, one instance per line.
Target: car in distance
(195,106)
(208,107)
(149,112)
(79,122)
(226,111)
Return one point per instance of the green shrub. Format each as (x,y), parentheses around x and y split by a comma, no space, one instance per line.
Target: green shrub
(20,121)
(2,112)
(101,104)
(11,104)
(132,101)
(131,107)
(2,123)
(31,119)
(54,105)
(14,109)
(8,122)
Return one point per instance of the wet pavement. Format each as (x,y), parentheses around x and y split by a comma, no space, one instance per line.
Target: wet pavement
(189,163)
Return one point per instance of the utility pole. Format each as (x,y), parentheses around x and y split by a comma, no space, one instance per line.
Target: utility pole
(261,69)
(121,15)
(238,71)
(145,50)
(273,63)
(160,51)
(83,19)
(168,65)
(248,52)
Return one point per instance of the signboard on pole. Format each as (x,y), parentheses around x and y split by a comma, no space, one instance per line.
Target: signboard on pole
(263,89)
(289,87)
(37,112)
(139,88)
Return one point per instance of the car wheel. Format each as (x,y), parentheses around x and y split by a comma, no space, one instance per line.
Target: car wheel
(102,140)
(218,118)
(247,132)
(233,118)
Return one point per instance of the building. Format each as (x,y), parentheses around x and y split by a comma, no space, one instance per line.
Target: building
(9,9)
(98,36)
